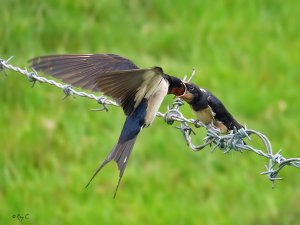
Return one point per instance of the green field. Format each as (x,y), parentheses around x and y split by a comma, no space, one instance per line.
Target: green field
(246,52)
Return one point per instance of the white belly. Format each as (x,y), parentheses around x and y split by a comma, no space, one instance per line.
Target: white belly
(155,99)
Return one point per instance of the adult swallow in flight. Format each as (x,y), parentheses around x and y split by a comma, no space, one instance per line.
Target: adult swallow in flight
(209,109)
(140,92)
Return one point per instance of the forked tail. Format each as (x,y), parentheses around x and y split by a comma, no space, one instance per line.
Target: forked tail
(120,154)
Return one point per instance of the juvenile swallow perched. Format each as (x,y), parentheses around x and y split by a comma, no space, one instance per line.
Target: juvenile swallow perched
(140,92)
(209,109)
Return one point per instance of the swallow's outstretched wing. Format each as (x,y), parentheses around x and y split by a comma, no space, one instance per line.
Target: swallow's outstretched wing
(74,64)
(111,74)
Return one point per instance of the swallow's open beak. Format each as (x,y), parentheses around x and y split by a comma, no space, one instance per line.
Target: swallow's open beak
(186,96)
(184,92)
(178,90)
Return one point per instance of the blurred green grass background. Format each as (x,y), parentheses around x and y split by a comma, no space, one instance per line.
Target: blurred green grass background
(246,52)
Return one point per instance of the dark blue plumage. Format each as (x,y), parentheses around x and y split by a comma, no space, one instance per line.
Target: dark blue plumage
(121,152)
(134,122)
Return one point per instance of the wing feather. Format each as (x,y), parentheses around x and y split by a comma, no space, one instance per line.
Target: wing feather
(111,74)
(221,113)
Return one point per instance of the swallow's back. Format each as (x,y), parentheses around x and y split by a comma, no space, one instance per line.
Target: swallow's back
(221,113)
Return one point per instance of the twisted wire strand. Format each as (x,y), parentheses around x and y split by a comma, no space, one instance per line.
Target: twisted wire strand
(225,142)
(33,76)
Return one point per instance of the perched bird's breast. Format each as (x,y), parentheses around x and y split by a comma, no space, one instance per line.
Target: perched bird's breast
(155,98)
(206,115)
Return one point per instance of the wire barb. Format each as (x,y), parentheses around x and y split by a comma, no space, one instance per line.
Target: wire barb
(68,91)
(233,141)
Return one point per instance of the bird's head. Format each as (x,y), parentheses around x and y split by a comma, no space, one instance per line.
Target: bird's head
(176,86)
(192,92)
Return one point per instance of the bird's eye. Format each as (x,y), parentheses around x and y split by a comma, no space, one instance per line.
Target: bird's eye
(191,88)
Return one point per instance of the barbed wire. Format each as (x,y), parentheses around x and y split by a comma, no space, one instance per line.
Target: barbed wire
(233,141)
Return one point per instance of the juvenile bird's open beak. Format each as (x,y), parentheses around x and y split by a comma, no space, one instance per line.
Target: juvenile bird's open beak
(178,92)
(184,92)
(186,96)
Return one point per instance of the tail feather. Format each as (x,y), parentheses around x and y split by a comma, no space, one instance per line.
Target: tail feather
(122,159)
(235,124)
(120,154)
